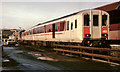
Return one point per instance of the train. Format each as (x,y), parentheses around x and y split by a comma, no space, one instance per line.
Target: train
(87,27)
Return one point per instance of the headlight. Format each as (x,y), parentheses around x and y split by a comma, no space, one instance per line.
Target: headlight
(87,35)
(104,34)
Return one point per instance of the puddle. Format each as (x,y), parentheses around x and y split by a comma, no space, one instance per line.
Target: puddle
(35,54)
(30,53)
(9,47)
(18,51)
(29,65)
(0,69)
(112,65)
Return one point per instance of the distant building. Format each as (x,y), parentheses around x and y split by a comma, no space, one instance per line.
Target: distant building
(5,33)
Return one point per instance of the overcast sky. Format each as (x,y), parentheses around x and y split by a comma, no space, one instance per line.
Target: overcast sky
(17,14)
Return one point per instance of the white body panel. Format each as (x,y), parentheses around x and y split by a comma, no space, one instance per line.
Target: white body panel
(75,35)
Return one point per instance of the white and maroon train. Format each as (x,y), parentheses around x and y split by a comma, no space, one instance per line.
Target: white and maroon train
(84,26)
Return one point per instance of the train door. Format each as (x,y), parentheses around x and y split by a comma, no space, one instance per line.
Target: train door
(95,26)
(53,33)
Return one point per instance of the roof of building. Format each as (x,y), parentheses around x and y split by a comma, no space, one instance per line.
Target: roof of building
(110,7)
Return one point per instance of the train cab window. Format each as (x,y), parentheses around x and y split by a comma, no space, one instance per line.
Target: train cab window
(95,20)
(71,25)
(104,20)
(49,28)
(86,20)
(67,25)
(56,27)
(76,23)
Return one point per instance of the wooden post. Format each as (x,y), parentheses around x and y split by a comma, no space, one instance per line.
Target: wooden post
(63,53)
(92,53)
(71,50)
(56,51)
(108,60)
(80,51)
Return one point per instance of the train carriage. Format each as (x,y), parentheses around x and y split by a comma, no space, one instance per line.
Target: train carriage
(84,27)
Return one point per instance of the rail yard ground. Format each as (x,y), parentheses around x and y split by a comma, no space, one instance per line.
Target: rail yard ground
(26,59)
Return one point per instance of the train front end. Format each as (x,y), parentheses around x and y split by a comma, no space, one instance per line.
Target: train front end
(95,27)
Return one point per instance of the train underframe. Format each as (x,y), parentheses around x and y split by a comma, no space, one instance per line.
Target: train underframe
(96,42)
(99,42)
(86,42)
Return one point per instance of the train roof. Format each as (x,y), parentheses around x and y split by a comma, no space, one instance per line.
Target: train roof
(62,17)
(58,18)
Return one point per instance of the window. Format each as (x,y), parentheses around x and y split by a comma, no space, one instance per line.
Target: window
(30,32)
(41,30)
(62,26)
(67,25)
(71,25)
(45,29)
(95,20)
(76,23)
(37,30)
(104,20)
(49,28)
(56,27)
(86,20)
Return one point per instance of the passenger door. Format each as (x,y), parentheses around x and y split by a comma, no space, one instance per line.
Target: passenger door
(95,27)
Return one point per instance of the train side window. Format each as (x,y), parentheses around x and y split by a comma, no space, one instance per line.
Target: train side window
(41,30)
(62,26)
(76,23)
(37,30)
(104,20)
(49,28)
(45,28)
(56,27)
(95,20)
(34,31)
(30,32)
(67,25)
(71,25)
(86,20)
